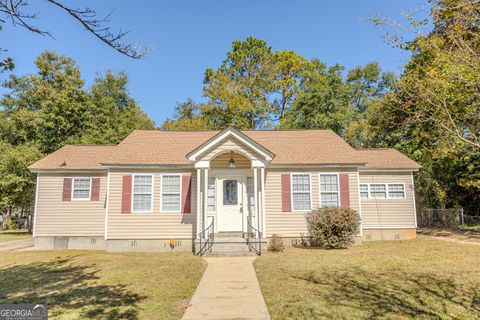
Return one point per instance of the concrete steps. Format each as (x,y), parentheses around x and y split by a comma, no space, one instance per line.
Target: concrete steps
(230,244)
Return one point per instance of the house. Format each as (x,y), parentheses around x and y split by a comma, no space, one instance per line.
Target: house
(178,190)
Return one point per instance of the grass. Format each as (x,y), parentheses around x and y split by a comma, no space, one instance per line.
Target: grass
(14,235)
(100,285)
(416,279)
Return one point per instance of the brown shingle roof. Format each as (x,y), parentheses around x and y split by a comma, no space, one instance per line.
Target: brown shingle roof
(155,147)
(385,158)
(77,157)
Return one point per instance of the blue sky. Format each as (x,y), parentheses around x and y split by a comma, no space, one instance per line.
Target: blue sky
(189,36)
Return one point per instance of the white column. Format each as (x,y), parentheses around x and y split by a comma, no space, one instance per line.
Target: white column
(255,195)
(199,201)
(205,198)
(262,182)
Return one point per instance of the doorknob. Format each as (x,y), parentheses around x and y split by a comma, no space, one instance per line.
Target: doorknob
(241,209)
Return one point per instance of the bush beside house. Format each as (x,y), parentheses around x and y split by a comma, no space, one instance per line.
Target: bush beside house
(332,227)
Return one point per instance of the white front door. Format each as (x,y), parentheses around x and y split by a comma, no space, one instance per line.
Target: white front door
(230,195)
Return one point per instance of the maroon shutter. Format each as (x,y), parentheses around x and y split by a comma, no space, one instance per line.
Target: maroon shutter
(186,193)
(286,193)
(344,191)
(127,194)
(67,189)
(95,195)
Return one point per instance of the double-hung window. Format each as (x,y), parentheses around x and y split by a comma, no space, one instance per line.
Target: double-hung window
(81,188)
(142,193)
(329,191)
(301,192)
(171,192)
(364,191)
(378,191)
(396,191)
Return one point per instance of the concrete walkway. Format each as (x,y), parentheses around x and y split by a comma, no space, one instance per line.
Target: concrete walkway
(229,289)
(16,244)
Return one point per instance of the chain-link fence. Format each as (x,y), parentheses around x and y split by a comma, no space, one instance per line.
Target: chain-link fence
(447,219)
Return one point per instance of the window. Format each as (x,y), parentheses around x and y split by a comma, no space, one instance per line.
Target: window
(81,189)
(378,191)
(211,194)
(329,195)
(364,191)
(142,193)
(301,192)
(230,194)
(396,191)
(171,192)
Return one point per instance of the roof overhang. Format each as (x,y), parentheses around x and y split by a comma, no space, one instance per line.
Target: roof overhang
(388,169)
(147,166)
(227,133)
(68,170)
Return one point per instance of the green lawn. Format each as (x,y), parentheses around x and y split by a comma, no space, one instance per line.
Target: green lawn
(100,285)
(416,279)
(14,235)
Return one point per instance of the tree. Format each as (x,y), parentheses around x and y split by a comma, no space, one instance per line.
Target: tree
(48,109)
(16,181)
(254,86)
(116,114)
(330,101)
(20,13)
(325,103)
(433,111)
(187,115)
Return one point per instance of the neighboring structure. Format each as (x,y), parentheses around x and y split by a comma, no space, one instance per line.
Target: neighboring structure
(149,191)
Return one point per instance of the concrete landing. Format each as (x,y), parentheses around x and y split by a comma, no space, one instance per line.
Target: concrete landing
(229,289)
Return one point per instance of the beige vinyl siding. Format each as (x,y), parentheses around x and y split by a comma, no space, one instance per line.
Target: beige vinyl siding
(222,161)
(55,217)
(388,213)
(226,147)
(293,223)
(151,225)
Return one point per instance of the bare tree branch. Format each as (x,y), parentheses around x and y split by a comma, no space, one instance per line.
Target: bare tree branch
(14,10)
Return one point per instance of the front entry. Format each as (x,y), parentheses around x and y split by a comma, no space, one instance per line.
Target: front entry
(230,195)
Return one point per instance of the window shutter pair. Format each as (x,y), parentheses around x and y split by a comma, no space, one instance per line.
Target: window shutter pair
(287,192)
(186,199)
(68,185)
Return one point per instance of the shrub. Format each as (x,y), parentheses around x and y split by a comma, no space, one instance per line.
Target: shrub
(333,227)
(10,224)
(276,244)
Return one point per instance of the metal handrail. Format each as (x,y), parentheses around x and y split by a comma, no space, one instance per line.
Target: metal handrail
(208,234)
(254,238)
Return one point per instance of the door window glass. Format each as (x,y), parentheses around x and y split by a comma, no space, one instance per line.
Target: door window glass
(230,194)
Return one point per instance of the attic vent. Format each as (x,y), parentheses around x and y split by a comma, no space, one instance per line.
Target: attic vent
(64,163)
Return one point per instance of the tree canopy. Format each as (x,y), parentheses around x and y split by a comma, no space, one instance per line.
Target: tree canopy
(46,110)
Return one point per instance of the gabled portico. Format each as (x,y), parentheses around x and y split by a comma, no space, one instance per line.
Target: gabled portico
(231,182)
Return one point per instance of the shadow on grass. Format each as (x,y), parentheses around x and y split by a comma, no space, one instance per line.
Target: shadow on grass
(384,296)
(65,286)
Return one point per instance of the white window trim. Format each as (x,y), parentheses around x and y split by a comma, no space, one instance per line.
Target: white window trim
(291,190)
(161,192)
(320,188)
(386,191)
(404,191)
(133,194)
(89,191)
(360,191)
